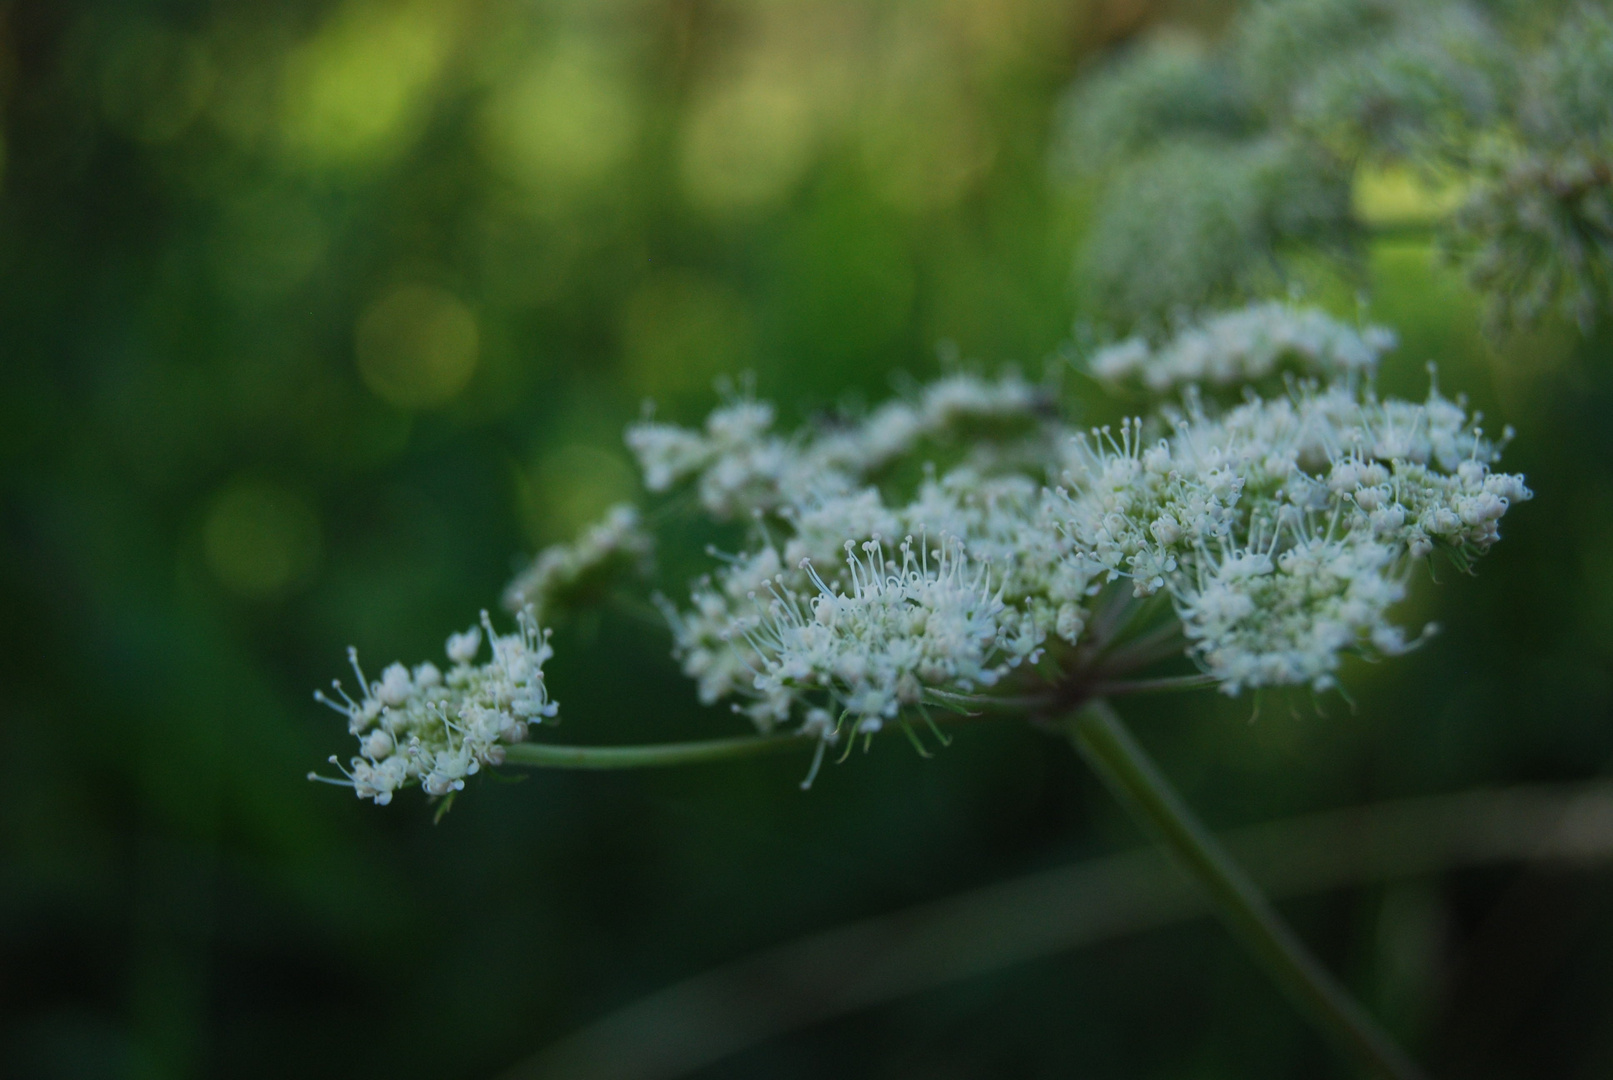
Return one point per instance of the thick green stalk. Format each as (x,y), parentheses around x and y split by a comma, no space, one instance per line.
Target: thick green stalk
(546,755)
(1125,767)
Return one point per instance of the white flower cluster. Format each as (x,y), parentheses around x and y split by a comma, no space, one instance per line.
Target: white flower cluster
(435,728)
(1282,530)
(1244,346)
(743,465)
(927,618)
(815,623)
(1278,533)
(564,575)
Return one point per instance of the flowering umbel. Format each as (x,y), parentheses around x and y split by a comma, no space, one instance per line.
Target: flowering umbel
(1023,560)
(435,728)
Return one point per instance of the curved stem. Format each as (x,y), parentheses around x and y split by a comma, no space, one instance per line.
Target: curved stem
(979,703)
(652,755)
(1126,769)
(1165,684)
(545,755)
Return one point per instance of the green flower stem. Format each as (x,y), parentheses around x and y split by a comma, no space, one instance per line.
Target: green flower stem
(652,755)
(548,756)
(1168,684)
(1121,762)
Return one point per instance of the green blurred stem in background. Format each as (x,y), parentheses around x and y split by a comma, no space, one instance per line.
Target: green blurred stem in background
(1103,740)
(715,1014)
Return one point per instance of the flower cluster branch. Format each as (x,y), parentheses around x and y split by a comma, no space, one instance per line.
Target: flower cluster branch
(1022,561)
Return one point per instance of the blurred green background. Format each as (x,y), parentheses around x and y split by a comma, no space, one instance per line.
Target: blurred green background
(315,315)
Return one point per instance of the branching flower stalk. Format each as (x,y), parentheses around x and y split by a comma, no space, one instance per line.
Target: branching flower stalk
(1101,738)
(966,552)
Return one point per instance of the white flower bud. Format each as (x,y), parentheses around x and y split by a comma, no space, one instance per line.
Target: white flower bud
(377,744)
(1371,498)
(1481,508)
(1441,521)
(1388,519)
(1166,529)
(462,648)
(1507,486)
(395,686)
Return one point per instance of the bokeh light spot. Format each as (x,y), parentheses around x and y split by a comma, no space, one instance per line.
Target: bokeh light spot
(562,124)
(1396,195)
(924,143)
(260,538)
(417,346)
(355,92)
(746,144)
(926,164)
